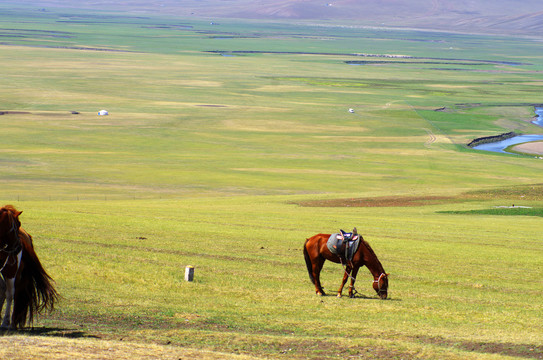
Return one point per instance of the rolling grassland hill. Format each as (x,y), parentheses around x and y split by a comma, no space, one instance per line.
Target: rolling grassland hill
(523,17)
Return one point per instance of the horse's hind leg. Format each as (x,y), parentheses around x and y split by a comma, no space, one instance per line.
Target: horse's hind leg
(316,269)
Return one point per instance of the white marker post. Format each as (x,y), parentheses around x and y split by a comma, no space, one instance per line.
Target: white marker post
(189,273)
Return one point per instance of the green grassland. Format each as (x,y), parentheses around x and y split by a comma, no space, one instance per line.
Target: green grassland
(219,134)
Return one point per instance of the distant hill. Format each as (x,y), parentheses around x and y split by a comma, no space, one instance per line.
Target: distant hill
(487,16)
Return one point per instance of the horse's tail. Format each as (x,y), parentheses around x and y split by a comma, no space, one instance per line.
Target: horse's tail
(34,290)
(308,262)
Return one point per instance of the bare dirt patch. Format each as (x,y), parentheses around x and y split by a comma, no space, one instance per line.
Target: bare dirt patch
(10,112)
(384,201)
(521,192)
(529,351)
(535,148)
(14,112)
(331,350)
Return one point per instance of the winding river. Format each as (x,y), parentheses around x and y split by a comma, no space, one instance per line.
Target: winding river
(500,146)
(539,113)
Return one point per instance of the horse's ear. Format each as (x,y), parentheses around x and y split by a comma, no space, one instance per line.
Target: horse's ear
(12,209)
(355,231)
(387,274)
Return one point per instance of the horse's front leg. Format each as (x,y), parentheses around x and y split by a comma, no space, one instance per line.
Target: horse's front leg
(353,279)
(345,277)
(2,293)
(10,291)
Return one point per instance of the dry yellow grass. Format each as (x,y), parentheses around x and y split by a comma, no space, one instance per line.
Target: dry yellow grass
(19,347)
(282,126)
(308,171)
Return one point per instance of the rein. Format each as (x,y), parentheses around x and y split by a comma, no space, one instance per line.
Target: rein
(14,230)
(349,275)
(7,259)
(378,281)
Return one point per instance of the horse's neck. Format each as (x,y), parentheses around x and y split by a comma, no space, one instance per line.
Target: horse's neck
(375,269)
(372,262)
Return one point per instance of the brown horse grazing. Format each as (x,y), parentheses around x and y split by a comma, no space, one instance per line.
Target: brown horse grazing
(316,252)
(24,285)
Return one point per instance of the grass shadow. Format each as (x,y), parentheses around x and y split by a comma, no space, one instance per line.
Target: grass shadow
(51,332)
(364,297)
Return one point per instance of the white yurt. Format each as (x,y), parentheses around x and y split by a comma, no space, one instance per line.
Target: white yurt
(103,112)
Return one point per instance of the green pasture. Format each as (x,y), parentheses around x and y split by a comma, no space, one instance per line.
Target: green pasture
(220,131)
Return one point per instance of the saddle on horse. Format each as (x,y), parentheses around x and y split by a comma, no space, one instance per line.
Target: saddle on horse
(344,244)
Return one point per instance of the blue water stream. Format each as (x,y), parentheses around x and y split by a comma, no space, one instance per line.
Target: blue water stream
(500,146)
(539,113)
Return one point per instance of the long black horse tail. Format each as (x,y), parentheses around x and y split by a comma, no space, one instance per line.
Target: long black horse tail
(34,290)
(308,263)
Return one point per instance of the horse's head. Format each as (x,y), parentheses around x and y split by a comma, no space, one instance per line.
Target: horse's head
(9,226)
(380,285)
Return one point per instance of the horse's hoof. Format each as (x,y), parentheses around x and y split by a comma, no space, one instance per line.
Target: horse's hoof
(339,295)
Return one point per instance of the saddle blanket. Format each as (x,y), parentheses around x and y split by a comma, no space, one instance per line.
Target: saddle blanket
(336,242)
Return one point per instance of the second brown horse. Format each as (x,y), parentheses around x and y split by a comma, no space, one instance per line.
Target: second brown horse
(24,284)
(316,253)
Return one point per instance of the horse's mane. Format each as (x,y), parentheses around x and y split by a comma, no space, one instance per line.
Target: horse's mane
(368,247)
(372,253)
(10,208)
(12,213)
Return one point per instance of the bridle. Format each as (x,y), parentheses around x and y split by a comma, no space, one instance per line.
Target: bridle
(18,246)
(378,281)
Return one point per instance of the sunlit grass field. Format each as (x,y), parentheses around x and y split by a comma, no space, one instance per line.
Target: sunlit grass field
(219,132)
